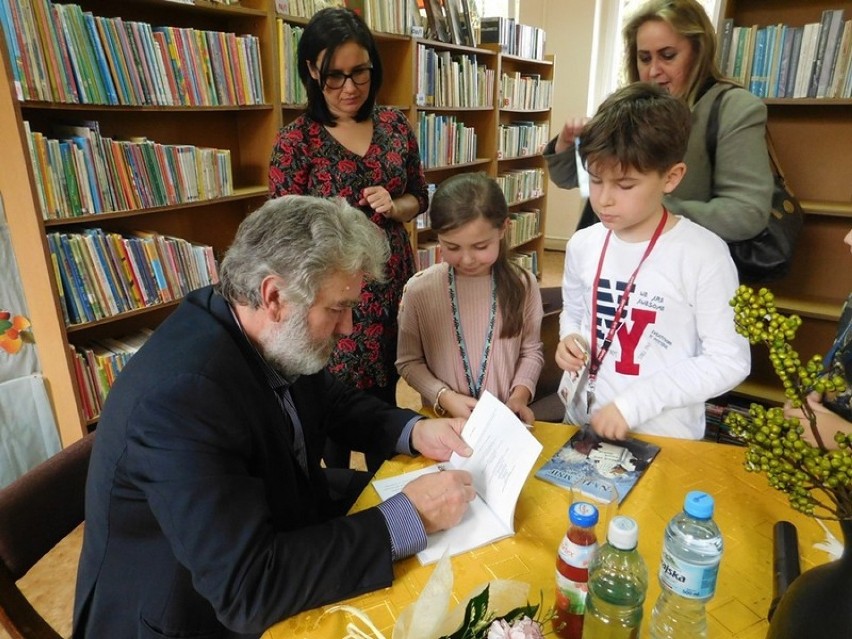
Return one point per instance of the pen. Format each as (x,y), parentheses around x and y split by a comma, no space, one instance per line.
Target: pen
(581,347)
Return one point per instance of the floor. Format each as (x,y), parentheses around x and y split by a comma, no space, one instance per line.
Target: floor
(50,584)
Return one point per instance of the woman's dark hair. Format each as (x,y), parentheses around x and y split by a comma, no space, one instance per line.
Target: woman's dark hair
(326,31)
(464,198)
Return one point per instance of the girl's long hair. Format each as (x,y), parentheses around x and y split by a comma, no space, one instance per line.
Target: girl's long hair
(467,197)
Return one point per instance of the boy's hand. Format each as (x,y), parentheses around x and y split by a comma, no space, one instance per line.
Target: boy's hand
(609,423)
(572,353)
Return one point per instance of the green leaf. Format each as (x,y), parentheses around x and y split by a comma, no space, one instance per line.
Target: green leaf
(474,613)
(529,610)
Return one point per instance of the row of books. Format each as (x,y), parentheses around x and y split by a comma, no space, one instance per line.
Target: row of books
(444,140)
(447,80)
(523,226)
(60,53)
(525,91)
(388,17)
(292,89)
(784,61)
(526,259)
(716,410)
(521,184)
(520,139)
(97,363)
(101,274)
(303,8)
(428,253)
(450,21)
(521,40)
(80,172)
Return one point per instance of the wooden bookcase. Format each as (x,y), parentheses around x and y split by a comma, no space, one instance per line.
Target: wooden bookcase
(812,138)
(248,131)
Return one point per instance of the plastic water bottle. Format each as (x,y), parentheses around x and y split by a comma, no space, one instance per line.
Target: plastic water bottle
(618,582)
(572,570)
(692,550)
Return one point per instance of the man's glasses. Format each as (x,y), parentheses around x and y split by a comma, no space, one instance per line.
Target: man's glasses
(336,79)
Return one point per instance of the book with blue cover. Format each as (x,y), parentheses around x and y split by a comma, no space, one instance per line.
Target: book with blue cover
(586,462)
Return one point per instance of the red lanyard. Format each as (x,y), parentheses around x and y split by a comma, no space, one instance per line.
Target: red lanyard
(598,356)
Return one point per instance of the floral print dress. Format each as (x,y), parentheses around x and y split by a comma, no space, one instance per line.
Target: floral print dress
(307,160)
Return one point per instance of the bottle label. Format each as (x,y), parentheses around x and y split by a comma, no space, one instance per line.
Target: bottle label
(687,579)
(570,594)
(576,555)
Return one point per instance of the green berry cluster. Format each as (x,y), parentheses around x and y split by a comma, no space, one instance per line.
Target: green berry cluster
(817,481)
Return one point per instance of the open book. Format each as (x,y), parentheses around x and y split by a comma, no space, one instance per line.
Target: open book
(586,459)
(504,452)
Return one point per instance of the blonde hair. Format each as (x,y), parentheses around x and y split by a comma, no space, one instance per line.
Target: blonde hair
(687,18)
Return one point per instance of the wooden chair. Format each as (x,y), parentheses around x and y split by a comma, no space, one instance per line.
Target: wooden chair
(37,511)
(547,406)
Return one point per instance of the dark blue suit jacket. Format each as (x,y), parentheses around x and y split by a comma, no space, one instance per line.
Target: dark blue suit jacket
(199,520)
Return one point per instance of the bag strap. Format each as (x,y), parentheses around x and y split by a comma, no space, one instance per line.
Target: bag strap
(711,138)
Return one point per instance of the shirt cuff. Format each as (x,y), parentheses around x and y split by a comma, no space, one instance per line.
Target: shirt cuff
(403,444)
(407,535)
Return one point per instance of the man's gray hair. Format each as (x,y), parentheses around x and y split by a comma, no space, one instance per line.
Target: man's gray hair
(302,239)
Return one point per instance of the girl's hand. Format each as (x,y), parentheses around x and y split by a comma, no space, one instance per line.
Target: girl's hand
(378,199)
(456,404)
(518,403)
(572,353)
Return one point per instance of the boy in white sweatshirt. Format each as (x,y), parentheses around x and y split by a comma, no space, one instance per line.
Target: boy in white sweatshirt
(646,323)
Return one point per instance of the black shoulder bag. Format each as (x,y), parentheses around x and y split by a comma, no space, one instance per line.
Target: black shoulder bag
(766,256)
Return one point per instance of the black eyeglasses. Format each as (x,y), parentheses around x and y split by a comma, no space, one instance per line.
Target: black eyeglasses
(336,79)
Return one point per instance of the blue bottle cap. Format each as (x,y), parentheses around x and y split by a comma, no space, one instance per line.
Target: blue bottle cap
(583,514)
(698,504)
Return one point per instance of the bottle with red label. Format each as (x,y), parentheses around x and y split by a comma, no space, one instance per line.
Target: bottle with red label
(572,570)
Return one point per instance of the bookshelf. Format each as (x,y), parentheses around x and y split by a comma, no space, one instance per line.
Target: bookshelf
(490,123)
(244,129)
(811,137)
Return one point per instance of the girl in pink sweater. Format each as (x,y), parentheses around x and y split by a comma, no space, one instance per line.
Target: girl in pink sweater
(471,323)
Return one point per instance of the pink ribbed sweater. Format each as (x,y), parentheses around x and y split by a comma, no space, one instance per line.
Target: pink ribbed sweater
(428,355)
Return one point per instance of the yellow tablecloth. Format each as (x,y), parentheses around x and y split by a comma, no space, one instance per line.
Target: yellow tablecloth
(746,511)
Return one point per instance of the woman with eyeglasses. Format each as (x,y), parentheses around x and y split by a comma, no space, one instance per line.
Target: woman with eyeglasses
(345,145)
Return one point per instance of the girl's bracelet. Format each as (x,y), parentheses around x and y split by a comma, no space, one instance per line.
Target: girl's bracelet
(439,410)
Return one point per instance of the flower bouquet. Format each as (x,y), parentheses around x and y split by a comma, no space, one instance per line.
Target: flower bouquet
(817,480)
(499,610)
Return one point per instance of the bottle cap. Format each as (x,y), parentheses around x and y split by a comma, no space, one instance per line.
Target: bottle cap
(623,533)
(698,504)
(583,514)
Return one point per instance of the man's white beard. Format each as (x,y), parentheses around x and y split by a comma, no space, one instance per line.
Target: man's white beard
(289,348)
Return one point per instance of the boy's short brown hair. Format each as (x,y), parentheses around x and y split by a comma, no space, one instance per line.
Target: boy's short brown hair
(639,126)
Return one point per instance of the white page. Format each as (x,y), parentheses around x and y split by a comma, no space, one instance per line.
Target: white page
(504,452)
